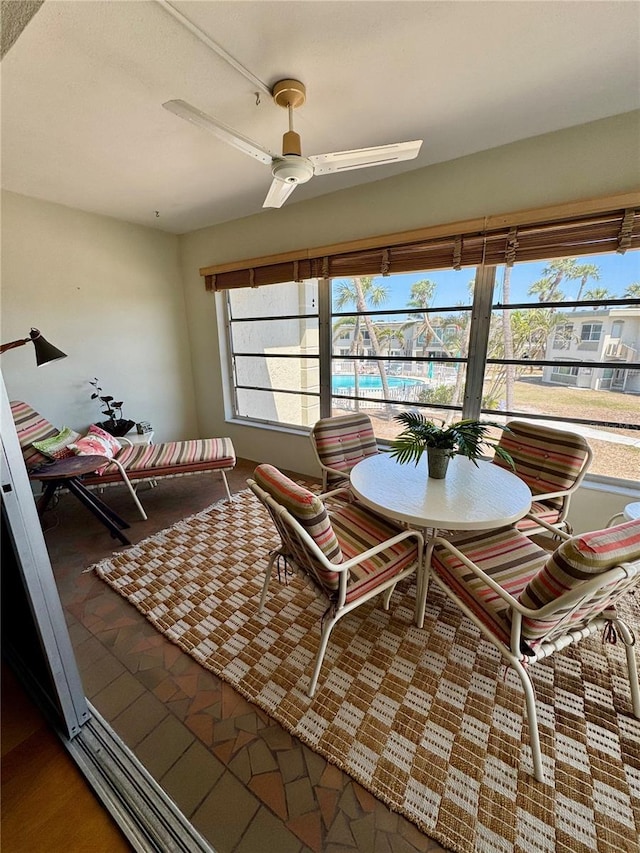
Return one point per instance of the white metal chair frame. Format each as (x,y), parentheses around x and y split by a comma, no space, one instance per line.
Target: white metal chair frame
(573,599)
(297,543)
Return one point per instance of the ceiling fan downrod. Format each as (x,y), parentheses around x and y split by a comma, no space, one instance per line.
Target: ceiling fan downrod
(290,94)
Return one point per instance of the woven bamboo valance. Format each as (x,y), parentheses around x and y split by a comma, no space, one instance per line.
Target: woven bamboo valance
(490,241)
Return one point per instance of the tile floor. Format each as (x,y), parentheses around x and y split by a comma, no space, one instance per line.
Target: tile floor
(242,780)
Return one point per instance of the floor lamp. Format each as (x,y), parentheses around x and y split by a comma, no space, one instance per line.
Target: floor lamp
(45,352)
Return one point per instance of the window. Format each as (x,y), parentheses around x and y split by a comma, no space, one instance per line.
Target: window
(616,329)
(274,353)
(590,332)
(536,314)
(498,342)
(563,336)
(429,373)
(567,375)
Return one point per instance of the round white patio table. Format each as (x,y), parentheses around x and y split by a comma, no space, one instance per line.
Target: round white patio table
(470,497)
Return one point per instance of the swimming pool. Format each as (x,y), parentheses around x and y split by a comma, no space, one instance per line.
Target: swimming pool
(372,382)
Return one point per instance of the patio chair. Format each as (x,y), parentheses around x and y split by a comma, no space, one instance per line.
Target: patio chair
(340,443)
(530,603)
(552,462)
(350,554)
(132,463)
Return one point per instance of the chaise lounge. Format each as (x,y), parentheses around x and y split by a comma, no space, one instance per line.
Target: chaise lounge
(132,463)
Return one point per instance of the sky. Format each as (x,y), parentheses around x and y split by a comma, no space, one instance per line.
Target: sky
(616,273)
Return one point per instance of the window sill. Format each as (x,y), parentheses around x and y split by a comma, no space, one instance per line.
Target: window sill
(271,426)
(600,483)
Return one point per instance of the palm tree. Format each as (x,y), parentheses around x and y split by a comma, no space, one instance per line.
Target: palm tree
(598,293)
(633,290)
(362,292)
(422,292)
(584,272)
(387,334)
(548,287)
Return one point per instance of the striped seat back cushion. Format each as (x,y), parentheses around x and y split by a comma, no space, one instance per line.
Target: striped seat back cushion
(310,512)
(576,561)
(548,460)
(343,442)
(31,427)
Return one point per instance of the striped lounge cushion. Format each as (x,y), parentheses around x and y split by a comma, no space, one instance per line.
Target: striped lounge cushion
(31,427)
(357,530)
(307,509)
(548,460)
(509,557)
(343,442)
(576,561)
(170,458)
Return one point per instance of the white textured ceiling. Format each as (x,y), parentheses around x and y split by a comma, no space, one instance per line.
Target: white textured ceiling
(82,89)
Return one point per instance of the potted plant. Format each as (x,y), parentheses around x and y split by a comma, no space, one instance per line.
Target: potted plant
(466,437)
(116,425)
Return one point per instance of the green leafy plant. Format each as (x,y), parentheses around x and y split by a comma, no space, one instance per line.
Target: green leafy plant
(467,437)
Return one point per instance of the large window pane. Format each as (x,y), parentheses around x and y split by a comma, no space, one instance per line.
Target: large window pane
(275,407)
(273,373)
(596,380)
(404,357)
(382,415)
(269,331)
(275,336)
(274,300)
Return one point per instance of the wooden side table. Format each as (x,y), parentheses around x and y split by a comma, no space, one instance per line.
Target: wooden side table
(67,473)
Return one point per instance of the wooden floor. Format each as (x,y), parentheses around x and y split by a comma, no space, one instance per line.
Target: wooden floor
(47,806)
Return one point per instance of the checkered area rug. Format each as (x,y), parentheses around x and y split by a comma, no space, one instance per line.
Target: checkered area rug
(429,720)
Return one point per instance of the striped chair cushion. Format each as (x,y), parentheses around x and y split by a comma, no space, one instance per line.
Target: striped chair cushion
(576,561)
(31,427)
(548,460)
(309,510)
(343,442)
(357,530)
(541,510)
(509,557)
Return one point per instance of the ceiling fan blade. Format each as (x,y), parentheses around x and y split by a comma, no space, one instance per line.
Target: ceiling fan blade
(360,158)
(222,131)
(279,192)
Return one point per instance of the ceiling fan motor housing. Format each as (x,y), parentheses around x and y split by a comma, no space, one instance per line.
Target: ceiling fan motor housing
(293,169)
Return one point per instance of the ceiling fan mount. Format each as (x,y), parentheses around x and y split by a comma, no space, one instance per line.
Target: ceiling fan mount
(290,168)
(289,93)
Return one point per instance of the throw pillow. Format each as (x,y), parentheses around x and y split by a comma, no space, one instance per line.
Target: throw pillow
(109,440)
(58,446)
(96,442)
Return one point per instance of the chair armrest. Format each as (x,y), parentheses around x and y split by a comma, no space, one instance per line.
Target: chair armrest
(550,527)
(383,546)
(335,492)
(126,440)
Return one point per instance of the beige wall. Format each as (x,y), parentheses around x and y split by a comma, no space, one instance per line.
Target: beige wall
(110,295)
(580,163)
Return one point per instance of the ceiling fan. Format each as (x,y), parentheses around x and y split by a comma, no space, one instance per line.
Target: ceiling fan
(292,168)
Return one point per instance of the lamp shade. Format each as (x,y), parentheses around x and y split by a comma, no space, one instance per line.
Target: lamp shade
(45,352)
